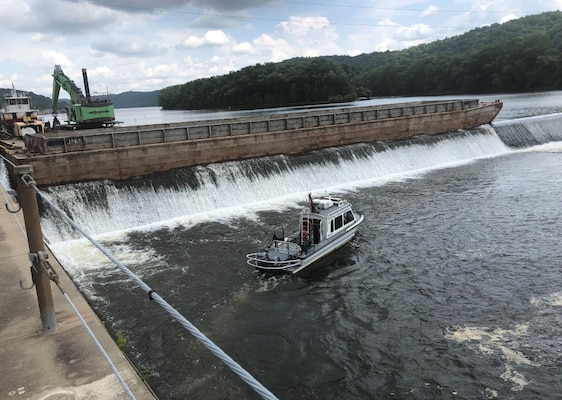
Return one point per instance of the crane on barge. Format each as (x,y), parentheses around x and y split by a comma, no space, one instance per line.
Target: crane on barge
(83,112)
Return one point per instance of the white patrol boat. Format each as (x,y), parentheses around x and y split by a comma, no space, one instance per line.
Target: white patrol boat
(326,224)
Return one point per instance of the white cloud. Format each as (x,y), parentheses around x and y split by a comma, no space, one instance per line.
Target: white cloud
(171,74)
(387,22)
(507,18)
(57,16)
(243,48)
(429,11)
(386,44)
(278,49)
(161,70)
(308,36)
(211,38)
(101,72)
(126,46)
(389,35)
(267,41)
(52,57)
(416,32)
(216,37)
(302,26)
(40,37)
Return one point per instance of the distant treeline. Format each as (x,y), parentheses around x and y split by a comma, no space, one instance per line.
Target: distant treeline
(295,82)
(134,99)
(517,56)
(121,100)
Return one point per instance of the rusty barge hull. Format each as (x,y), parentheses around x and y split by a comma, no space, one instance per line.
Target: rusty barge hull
(124,153)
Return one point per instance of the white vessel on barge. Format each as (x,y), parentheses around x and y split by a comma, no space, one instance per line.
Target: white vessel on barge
(17,117)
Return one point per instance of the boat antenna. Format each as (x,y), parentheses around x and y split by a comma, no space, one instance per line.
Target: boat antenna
(310,203)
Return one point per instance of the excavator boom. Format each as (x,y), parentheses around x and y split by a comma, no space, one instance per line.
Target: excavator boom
(83,111)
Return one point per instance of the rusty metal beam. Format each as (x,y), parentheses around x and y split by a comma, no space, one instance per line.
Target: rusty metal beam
(28,200)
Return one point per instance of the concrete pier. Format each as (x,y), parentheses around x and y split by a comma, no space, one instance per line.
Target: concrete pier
(63,363)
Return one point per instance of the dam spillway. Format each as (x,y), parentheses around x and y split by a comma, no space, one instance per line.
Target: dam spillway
(121,153)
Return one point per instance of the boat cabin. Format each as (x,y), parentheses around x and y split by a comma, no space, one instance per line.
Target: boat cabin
(324,218)
(17,118)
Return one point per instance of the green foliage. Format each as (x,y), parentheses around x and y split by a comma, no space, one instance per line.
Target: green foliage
(300,81)
(121,340)
(517,56)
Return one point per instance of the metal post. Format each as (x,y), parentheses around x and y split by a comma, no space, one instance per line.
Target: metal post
(28,201)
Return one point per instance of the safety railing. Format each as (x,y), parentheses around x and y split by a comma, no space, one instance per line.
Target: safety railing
(27,191)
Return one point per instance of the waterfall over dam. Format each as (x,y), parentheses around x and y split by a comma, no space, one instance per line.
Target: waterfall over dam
(530,131)
(239,188)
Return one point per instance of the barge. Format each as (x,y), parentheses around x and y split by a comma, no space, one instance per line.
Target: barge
(121,153)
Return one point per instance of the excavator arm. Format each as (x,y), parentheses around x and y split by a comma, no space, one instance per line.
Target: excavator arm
(60,80)
(55,97)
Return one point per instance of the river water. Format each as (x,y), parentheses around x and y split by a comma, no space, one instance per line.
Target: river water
(451,288)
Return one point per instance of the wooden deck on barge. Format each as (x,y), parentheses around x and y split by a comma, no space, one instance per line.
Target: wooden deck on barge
(124,152)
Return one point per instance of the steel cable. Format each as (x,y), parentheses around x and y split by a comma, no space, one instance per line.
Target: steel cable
(85,324)
(99,346)
(216,350)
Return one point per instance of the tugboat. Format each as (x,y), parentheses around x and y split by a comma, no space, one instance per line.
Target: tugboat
(326,224)
(17,118)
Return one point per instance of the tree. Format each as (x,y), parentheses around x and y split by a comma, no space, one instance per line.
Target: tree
(519,55)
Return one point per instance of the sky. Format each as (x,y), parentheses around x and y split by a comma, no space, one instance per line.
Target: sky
(145,45)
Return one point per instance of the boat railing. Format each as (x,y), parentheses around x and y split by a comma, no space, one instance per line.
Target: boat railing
(255,260)
(281,255)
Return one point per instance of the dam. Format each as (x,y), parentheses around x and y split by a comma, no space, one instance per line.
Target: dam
(120,153)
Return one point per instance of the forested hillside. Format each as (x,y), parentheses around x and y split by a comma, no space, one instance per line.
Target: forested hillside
(517,56)
(121,100)
(134,99)
(306,81)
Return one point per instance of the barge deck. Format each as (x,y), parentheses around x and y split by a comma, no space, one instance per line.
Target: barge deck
(121,153)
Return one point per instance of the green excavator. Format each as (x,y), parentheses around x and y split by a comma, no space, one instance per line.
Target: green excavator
(83,112)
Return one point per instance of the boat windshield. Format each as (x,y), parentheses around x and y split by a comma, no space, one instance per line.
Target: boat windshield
(14,102)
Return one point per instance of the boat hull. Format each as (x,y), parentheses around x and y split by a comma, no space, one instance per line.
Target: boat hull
(318,255)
